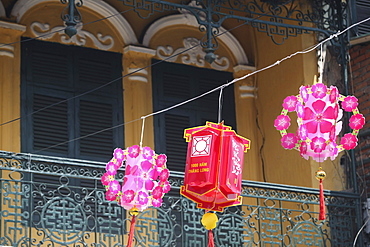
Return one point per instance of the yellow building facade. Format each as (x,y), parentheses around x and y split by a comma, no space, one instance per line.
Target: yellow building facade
(242,51)
(143,44)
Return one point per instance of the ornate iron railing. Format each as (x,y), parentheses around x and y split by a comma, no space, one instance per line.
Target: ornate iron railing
(50,201)
(279,19)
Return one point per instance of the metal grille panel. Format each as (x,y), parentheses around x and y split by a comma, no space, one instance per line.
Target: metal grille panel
(60,211)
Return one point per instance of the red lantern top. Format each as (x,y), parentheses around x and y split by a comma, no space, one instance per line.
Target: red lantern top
(214,166)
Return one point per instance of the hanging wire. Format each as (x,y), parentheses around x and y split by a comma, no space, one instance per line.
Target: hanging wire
(220,100)
(321,64)
(142,132)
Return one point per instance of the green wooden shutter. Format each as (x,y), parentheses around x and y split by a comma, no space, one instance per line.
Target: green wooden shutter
(95,117)
(174,83)
(50,126)
(101,109)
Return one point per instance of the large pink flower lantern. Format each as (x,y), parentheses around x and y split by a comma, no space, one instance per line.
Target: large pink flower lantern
(144,184)
(319,111)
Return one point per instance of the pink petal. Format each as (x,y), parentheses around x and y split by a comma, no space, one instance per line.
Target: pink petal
(149,184)
(318,106)
(311,126)
(153,174)
(325,126)
(146,165)
(332,134)
(308,114)
(329,113)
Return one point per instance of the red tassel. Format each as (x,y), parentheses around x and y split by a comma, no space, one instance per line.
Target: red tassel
(132,232)
(322,202)
(211,242)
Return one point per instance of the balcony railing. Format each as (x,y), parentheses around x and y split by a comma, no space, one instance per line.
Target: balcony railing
(50,201)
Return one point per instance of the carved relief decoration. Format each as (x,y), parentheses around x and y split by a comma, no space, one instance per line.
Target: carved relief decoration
(191,56)
(44,32)
(6,50)
(136,75)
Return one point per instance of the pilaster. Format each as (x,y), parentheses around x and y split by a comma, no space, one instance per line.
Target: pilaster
(246,112)
(10,36)
(138,100)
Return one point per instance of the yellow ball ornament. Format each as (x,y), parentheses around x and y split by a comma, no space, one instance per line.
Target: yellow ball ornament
(134,211)
(320,174)
(209,220)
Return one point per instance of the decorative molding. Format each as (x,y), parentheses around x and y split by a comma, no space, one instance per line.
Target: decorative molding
(100,41)
(191,56)
(189,20)
(98,6)
(13,26)
(6,50)
(141,75)
(2,10)
(135,64)
(247,91)
(241,67)
(247,88)
(139,49)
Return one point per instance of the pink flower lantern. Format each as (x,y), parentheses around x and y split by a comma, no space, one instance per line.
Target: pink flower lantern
(319,123)
(319,114)
(144,184)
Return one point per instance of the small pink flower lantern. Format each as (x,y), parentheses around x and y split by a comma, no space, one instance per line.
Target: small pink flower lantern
(144,184)
(319,124)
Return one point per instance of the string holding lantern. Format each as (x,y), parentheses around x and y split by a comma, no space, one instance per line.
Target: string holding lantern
(318,117)
(144,184)
(213,172)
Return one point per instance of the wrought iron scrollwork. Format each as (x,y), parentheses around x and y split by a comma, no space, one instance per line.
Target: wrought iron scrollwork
(71,16)
(279,19)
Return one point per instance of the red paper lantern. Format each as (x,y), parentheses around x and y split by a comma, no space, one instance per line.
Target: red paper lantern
(214,166)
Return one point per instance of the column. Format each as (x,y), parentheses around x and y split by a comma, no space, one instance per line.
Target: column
(10,36)
(138,100)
